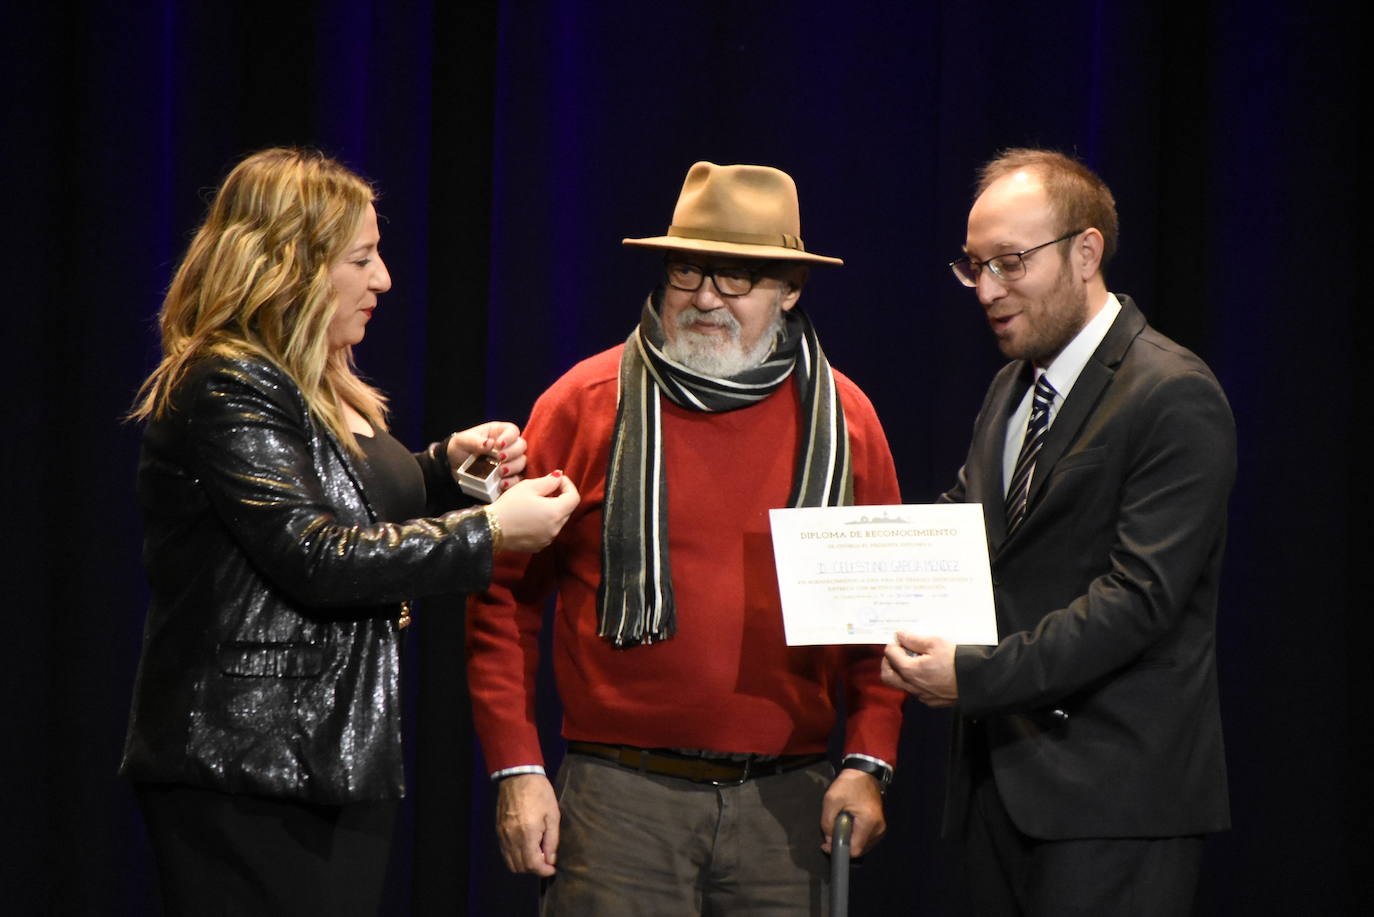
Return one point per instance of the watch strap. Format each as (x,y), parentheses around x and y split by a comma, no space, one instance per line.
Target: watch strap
(875,768)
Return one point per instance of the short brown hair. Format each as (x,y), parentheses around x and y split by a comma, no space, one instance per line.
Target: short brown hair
(1078,197)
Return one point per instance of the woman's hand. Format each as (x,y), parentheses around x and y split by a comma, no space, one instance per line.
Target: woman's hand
(531,513)
(499,438)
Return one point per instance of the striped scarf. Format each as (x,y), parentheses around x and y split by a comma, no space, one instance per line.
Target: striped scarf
(636,593)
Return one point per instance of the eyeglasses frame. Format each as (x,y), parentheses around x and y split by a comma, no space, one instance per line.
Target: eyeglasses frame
(1020,256)
(754,275)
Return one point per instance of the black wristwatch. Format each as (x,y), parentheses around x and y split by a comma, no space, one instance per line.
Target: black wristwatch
(871,766)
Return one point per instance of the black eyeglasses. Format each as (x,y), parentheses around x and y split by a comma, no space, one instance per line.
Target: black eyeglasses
(729,281)
(1010,266)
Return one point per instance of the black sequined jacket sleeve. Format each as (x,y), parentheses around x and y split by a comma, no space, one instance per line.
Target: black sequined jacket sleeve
(271,646)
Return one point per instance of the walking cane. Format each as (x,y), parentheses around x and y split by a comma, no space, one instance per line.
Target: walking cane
(839,865)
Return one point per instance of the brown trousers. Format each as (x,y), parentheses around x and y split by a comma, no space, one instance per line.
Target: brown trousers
(640,844)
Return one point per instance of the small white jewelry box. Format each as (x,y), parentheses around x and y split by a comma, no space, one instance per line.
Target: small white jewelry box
(480,477)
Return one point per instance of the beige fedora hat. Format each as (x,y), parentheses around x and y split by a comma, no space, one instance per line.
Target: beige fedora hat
(747,211)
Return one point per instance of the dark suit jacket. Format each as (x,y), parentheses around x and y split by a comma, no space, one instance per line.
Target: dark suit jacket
(1099,704)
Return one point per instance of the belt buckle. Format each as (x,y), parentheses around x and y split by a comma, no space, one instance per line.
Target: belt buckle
(736,781)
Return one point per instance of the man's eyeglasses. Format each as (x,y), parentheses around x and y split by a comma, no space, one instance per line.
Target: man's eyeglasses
(1010,266)
(729,281)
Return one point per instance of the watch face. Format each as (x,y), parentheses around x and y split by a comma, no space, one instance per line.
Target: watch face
(481,467)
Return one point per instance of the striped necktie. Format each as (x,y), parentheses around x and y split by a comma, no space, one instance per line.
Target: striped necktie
(1018,493)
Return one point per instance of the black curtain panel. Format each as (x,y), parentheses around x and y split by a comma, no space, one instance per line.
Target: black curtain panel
(514,145)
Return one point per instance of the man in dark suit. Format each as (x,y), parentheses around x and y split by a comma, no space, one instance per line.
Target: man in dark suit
(1087,761)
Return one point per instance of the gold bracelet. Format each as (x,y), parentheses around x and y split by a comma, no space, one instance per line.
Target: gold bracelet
(498,538)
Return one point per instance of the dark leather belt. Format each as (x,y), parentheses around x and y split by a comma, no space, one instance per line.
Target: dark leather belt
(719,771)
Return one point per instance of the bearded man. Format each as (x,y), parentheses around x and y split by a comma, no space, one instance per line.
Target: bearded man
(696,779)
(1088,758)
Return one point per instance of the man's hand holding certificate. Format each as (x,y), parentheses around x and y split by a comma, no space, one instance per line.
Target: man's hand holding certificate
(922,667)
(860,574)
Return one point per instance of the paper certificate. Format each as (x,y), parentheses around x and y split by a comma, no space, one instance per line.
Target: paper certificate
(858,574)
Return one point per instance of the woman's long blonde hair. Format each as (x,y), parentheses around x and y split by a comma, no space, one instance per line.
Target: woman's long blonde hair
(255,282)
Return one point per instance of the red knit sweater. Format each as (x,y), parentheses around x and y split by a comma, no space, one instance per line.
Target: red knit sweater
(727,681)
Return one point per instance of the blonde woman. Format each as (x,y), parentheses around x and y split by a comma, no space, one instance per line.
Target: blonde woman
(285,533)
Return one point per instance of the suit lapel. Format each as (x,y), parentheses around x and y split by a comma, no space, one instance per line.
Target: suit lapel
(1086,390)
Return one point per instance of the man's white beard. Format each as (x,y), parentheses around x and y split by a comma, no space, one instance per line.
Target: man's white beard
(712,354)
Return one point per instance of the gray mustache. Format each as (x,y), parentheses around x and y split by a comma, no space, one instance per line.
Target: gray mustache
(719,317)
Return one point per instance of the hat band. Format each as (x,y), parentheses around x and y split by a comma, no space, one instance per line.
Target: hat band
(781,240)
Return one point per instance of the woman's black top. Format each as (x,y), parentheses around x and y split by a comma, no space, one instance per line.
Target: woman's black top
(391,477)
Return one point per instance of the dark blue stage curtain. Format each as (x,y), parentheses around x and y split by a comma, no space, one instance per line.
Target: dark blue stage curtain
(515,145)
